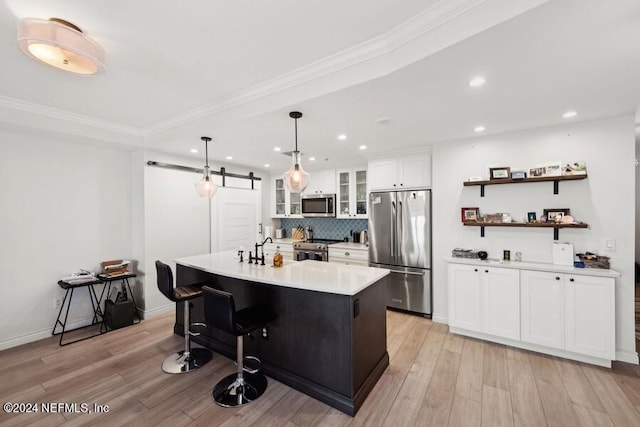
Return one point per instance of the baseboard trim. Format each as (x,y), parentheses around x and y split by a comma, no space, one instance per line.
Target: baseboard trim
(627,356)
(40,334)
(155,312)
(440,318)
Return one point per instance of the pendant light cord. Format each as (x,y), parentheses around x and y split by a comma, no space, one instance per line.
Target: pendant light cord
(296,126)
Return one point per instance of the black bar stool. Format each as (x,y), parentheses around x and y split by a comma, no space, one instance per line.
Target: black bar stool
(220,311)
(188,359)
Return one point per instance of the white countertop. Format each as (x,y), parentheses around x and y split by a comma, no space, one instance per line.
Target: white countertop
(307,275)
(537,266)
(349,245)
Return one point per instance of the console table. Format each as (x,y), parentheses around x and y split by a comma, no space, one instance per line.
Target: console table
(98,313)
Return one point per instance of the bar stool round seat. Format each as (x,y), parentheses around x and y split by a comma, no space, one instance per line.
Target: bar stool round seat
(188,359)
(246,385)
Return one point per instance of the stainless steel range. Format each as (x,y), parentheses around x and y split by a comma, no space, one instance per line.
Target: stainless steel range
(315,249)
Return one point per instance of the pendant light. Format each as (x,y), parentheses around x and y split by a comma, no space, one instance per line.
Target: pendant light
(60,44)
(206,187)
(296,179)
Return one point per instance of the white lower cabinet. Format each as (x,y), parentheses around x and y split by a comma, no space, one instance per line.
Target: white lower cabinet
(565,314)
(349,256)
(484,299)
(590,316)
(542,307)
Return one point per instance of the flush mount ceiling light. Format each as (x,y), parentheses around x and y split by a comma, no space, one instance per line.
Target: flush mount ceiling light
(296,179)
(342,137)
(206,187)
(570,114)
(479,129)
(477,81)
(60,44)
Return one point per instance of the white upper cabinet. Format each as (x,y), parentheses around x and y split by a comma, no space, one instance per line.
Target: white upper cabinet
(321,182)
(351,195)
(283,203)
(399,173)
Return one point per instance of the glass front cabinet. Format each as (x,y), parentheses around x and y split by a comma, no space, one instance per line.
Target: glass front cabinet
(351,196)
(283,203)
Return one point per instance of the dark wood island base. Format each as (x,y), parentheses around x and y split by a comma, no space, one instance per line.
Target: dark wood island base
(332,347)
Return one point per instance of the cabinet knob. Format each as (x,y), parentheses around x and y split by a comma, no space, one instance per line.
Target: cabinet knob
(347,253)
(475,269)
(486,271)
(571,280)
(401,184)
(394,185)
(557,278)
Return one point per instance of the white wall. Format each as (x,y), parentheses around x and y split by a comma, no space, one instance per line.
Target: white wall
(605,201)
(64,206)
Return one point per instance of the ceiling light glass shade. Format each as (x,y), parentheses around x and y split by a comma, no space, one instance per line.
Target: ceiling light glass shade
(60,44)
(206,187)
(296,179)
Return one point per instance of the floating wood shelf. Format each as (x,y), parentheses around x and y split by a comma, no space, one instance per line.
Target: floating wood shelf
(554,179)
(553,225)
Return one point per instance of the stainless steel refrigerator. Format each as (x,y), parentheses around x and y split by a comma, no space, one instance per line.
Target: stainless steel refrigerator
(400,240)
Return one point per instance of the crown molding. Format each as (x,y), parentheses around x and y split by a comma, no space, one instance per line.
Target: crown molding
(69,117)
(376,47)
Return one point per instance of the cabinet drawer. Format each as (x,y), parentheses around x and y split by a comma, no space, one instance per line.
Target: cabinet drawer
(349,254)
(348,261)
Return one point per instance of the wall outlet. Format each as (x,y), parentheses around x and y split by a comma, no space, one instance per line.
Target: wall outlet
(265,333)
(57,303)
(610,245)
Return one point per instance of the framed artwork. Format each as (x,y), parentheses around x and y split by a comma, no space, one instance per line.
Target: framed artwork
(499,173)
(537,171)
(575,168)
(531,216)
(553,169)
(469,214)
(555,215)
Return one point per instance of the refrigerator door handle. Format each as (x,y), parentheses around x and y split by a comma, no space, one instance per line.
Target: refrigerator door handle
(421,273)
(393,229)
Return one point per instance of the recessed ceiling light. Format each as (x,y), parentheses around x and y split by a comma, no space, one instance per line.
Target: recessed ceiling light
(477,81)
(342,137)
(267,165)
(229,158)
(569,114)
(363,147)
(277,149)
(312,159)
(479,129)
(194,150)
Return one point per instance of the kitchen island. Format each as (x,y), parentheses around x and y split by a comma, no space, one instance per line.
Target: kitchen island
(329,338)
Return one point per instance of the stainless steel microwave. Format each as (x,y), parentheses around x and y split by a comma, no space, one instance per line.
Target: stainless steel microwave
(319,205)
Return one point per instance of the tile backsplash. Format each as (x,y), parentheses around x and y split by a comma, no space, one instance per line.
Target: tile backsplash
(326,228)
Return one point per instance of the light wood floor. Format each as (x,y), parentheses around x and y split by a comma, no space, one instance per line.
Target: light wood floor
(434,379)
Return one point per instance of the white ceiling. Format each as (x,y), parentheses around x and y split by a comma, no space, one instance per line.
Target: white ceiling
(233,71)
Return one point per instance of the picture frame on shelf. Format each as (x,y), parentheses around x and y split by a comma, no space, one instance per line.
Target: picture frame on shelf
(574,168)
(518,174)
(531,217)
(469,214)
(555,215)
(553,169)
(537,172)
(499,173)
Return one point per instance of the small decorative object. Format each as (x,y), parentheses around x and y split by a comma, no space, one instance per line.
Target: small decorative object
(567,219)
(531,216)
(506,255)
(464,253)
(496,217)
(475,179)
(555,215)
(575,168)
(592,260)
(518,174)
(537,172)
(499,173)
(518,257)
(482,255)
(469,214)
(553,169)
(506,217)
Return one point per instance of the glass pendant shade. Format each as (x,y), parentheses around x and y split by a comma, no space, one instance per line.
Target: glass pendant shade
(206,187)
(60,44)
(296,179)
